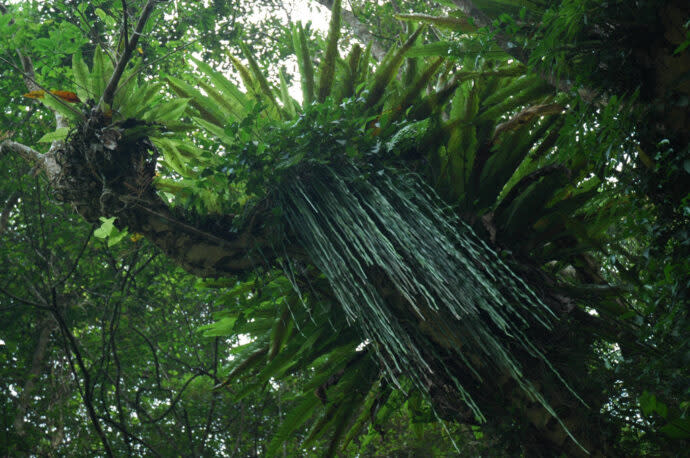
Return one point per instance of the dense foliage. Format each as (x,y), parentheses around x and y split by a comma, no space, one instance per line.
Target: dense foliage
(477,244)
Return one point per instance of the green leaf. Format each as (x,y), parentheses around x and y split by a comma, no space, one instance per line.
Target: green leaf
(82,77)
(221,328)
(58,134)
(109,232)
(297,416)
(647,403)
(116,236)
(207,109)
(264,86)
(327,69)
(299,40)
(288,102)
(167,111)
(389,68)
(141,101)
(61,107)
(107,226)
(172,154)
(214,130)
(679,428)
(98,74)
(438,48)
(225,86)
(279,331)
(232,109)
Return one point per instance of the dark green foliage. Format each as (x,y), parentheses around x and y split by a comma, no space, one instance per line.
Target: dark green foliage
(390,310)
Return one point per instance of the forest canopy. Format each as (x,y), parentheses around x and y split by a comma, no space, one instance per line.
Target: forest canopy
(419,228)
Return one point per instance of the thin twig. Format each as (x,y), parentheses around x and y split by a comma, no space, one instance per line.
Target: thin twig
(88,388)
(77,259)
(125,38)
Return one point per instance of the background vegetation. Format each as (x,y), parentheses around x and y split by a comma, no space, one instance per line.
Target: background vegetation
(435,228)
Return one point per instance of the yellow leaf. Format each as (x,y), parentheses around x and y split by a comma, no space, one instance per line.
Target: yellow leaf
(36,94)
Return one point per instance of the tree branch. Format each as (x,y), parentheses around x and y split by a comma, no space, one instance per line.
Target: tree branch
(26,152)
(87,395)
(109,92)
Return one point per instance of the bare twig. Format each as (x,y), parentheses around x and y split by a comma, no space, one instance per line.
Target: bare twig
(77,259)
(87,394)
(22,301)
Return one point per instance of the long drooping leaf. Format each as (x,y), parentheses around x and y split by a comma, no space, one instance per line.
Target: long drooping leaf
(344,224)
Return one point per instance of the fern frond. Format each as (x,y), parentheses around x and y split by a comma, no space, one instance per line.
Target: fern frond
(306,69)
(327,69)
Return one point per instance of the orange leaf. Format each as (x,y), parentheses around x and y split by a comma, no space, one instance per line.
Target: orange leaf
(67,96)
(36,94)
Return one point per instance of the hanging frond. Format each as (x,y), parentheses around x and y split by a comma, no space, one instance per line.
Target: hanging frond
(361,232)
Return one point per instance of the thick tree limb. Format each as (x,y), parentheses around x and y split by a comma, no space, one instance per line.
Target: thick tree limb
(46,162)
